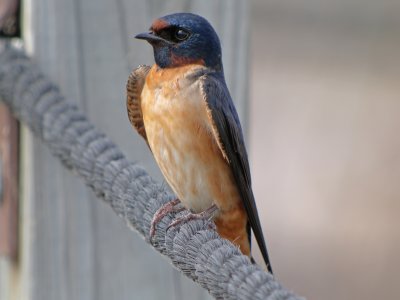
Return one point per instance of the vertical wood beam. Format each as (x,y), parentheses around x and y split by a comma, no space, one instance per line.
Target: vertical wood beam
(8,184)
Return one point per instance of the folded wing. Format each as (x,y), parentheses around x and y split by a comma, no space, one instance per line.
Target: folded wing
(134,89)
(228,133)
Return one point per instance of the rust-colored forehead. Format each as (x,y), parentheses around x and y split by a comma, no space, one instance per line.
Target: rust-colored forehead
(159,25)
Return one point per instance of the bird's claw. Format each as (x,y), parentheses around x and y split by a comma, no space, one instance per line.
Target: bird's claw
(161,213)
(207,214)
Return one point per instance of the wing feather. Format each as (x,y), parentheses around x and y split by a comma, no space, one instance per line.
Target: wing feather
(134,88)
(228,133)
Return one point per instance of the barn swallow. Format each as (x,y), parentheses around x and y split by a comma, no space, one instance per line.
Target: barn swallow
(182,107)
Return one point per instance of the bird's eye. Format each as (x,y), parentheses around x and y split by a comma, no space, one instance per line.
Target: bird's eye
(181,35)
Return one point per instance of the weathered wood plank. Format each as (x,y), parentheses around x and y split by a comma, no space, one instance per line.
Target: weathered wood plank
(74,246)
(8,185)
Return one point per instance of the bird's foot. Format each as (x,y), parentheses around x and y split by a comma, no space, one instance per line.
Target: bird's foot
(162,212)
(207,214)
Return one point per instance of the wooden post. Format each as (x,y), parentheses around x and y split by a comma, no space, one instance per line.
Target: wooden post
(8,185)
(73,246)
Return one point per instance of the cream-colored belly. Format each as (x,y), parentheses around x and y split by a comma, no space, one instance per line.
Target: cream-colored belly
(180,137)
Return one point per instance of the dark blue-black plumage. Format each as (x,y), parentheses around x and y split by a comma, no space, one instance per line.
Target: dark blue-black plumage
(170,49)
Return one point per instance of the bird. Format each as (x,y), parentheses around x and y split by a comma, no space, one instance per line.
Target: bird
(182,107)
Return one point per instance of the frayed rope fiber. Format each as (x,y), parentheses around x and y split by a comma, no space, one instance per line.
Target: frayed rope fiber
(194,247)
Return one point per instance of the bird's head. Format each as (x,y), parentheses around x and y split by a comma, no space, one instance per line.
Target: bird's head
(183,38)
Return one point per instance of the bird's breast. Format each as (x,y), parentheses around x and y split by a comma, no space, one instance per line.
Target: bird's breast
(180,136)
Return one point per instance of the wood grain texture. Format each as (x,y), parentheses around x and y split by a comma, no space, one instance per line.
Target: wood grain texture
(8,184)
(74,246)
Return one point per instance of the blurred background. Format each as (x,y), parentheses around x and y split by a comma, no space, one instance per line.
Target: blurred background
(322,127)
(324,143)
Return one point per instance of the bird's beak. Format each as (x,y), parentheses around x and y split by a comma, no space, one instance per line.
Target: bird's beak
(148,36)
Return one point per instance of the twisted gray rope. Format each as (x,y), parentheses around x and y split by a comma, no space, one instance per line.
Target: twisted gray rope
(194,248)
